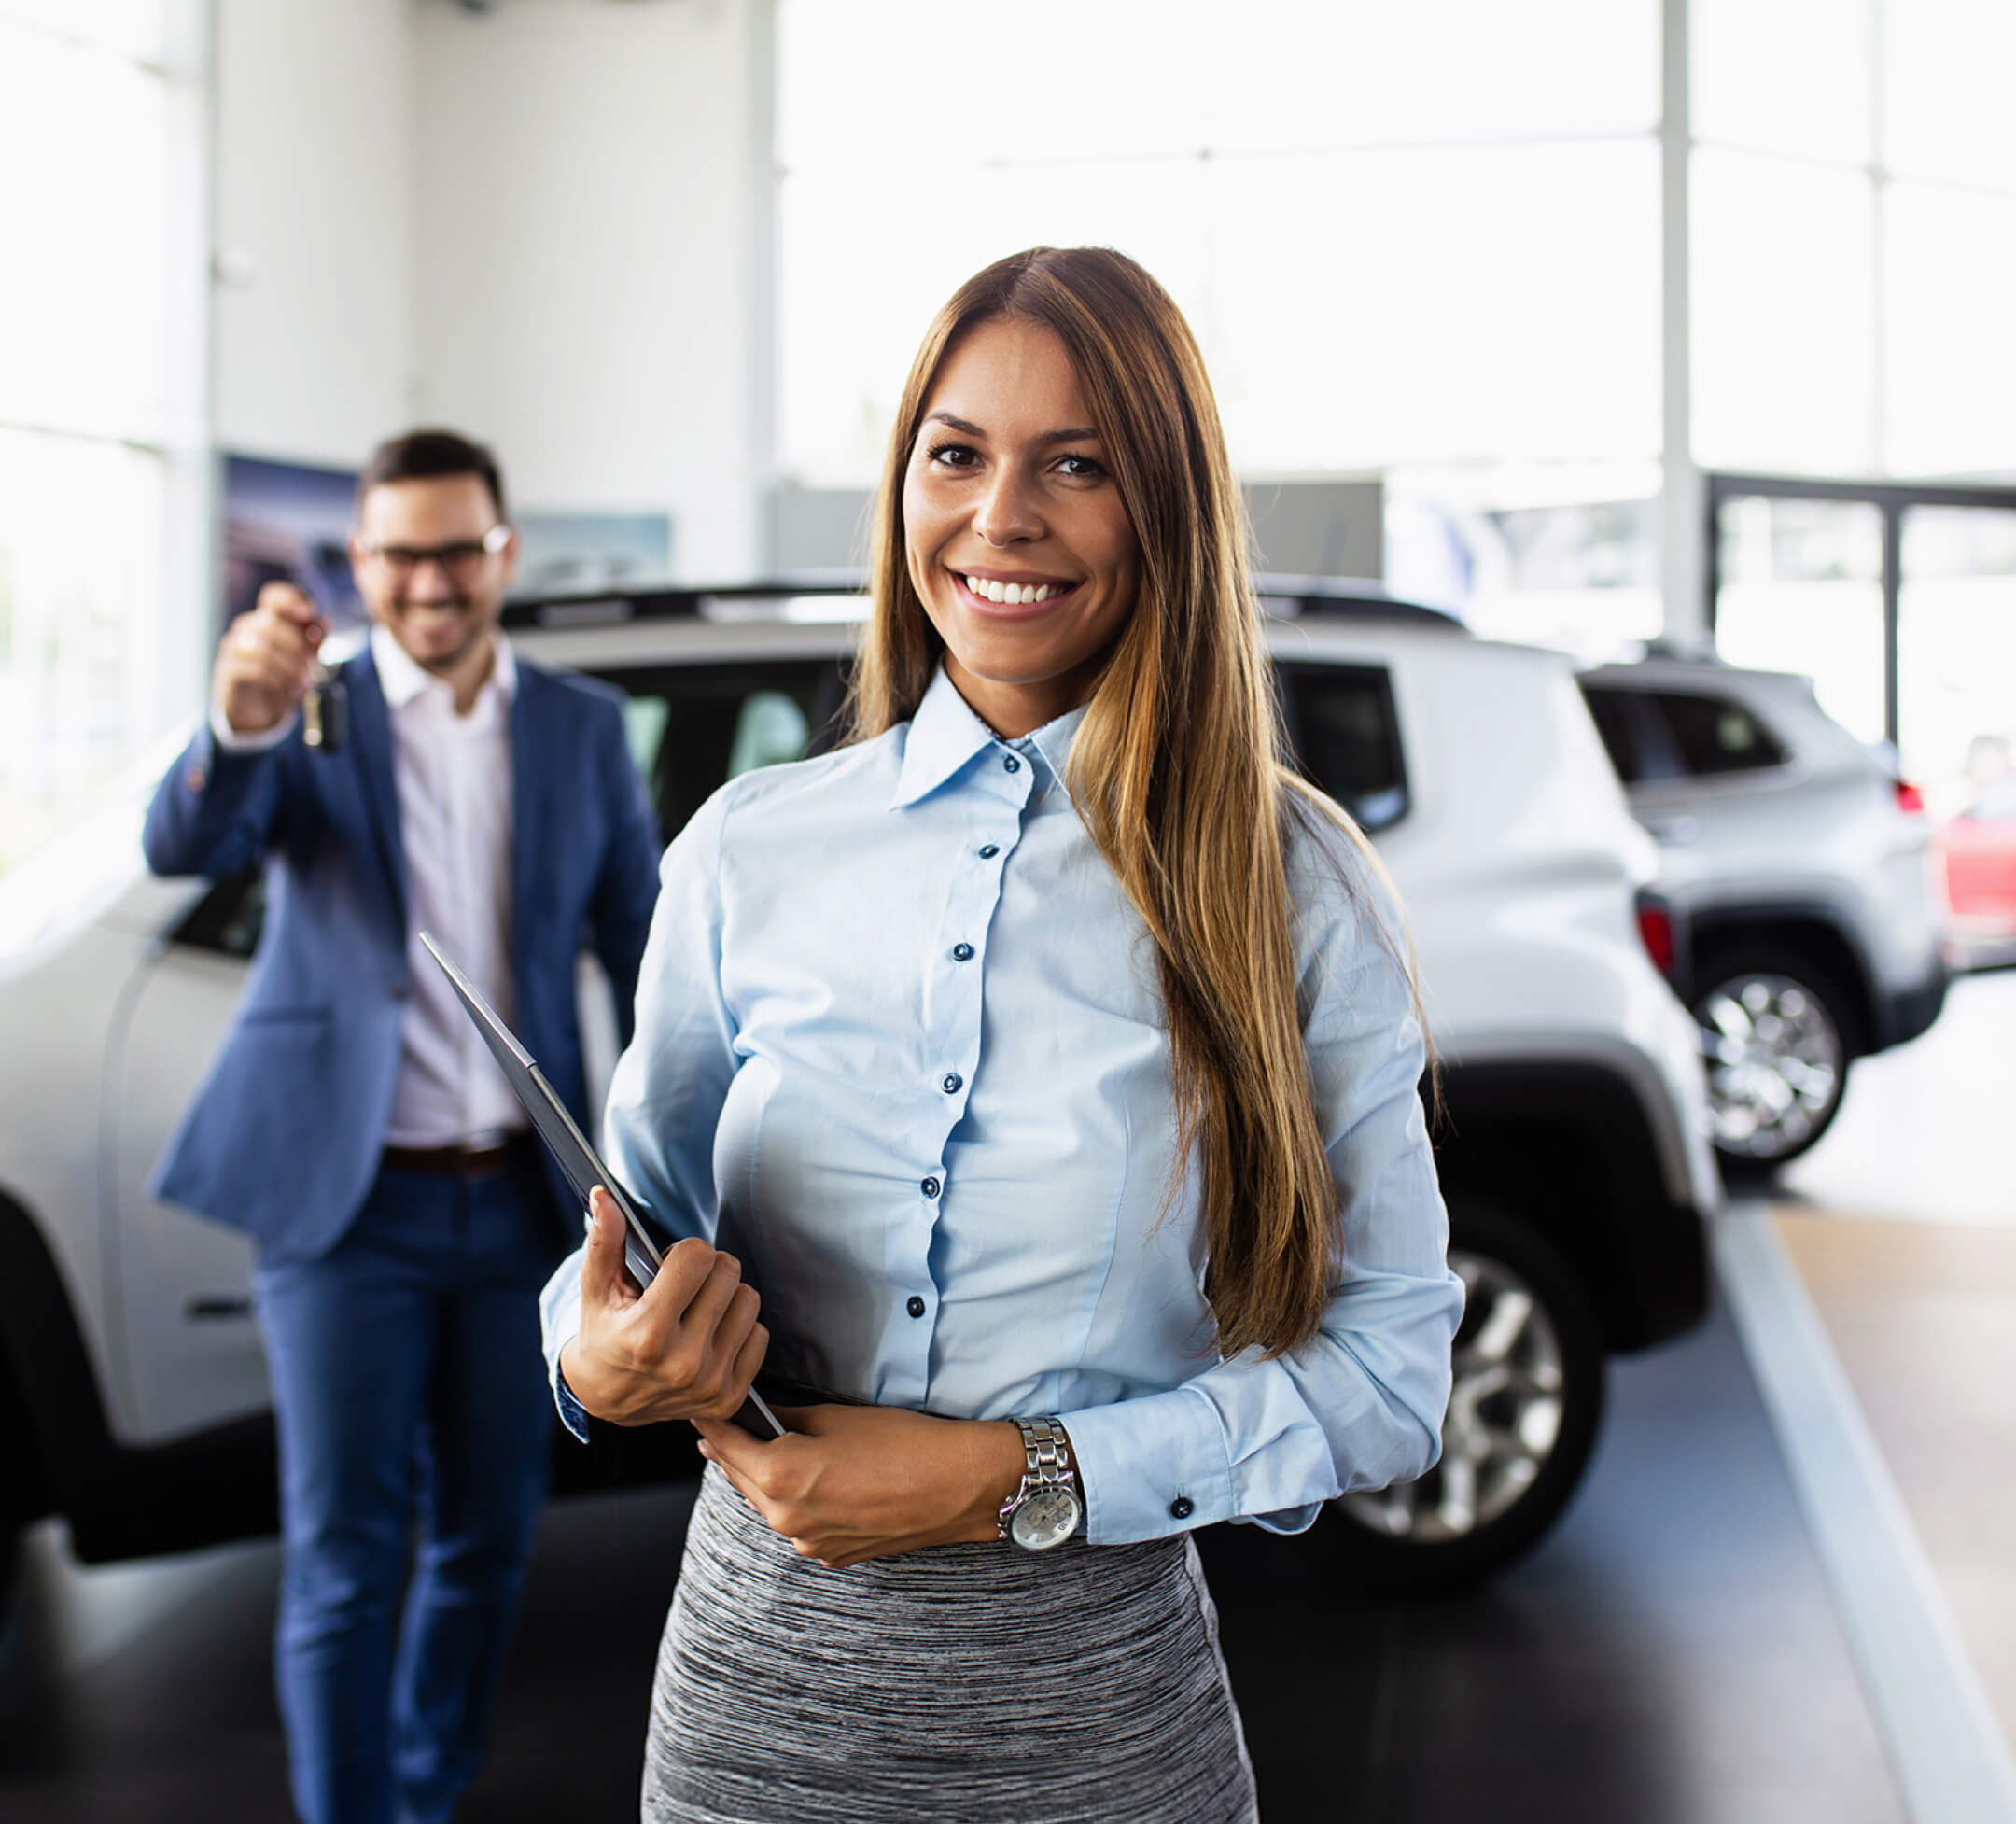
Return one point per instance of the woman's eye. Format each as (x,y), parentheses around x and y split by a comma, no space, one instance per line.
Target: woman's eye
(954,455)
(1082,467)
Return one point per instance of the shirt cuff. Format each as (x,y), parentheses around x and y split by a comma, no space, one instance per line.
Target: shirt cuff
(559,1323)
(229,740)
(1150,1467)
(573,1414)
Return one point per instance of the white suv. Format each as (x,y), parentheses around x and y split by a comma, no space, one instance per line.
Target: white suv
(1570,1138)
(1799,873)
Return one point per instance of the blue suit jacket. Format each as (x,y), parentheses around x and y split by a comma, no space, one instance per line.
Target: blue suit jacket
(284,1138)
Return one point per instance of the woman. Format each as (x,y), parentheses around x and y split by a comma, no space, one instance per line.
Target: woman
(1042,1057)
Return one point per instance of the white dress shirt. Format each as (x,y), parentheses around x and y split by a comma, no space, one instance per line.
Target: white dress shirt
(453,778)
(900,1048)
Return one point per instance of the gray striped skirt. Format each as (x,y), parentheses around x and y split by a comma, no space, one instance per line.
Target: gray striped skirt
(966,1684)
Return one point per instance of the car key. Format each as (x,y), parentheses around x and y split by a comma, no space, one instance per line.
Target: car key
(325,712)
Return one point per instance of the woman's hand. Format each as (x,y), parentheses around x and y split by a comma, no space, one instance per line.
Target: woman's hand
(686,1347)
(853,1482)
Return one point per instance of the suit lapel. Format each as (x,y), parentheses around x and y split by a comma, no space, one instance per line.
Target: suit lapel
(371,722)
(529,809)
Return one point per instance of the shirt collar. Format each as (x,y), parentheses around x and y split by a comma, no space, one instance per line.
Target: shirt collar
(946,735)
(402,679)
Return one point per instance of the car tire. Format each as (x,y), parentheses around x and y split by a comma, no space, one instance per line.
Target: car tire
(1523,1419)
(1774,1036)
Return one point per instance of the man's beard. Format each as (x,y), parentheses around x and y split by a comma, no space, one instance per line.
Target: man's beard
(472,628)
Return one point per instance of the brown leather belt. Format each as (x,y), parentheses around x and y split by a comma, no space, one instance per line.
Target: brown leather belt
(456,1161)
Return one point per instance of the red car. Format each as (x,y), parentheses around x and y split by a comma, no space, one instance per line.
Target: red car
(1976,858)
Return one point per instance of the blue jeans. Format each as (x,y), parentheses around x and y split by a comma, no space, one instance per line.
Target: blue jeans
(413,1415)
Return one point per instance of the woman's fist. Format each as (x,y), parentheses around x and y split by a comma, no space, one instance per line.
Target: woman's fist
(686,1347)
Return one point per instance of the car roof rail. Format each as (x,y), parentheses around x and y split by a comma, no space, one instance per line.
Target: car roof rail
(825,595)
(1347,599)
(667,601)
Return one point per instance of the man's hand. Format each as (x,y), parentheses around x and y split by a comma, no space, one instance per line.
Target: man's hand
(686,1347)
(853,1482)
(267,659)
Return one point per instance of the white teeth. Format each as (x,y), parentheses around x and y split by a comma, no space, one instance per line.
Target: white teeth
(1012,594)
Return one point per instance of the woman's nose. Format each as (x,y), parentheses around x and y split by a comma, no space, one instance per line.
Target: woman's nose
(1006,514)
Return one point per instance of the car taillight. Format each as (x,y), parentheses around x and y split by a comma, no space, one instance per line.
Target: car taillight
(1656,932)
(1908,797)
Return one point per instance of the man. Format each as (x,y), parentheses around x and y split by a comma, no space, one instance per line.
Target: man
(354,1126)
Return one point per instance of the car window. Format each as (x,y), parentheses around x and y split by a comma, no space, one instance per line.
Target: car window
(1616,718)
(1713,734)
(1346,737)
(692,727)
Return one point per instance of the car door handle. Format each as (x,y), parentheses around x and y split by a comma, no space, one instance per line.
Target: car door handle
(1672,832)
(216,1310)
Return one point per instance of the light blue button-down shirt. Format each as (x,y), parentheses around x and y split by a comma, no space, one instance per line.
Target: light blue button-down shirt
(899,1050)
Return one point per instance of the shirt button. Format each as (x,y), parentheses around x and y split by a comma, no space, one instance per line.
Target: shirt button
(1012,764)
(915,1306)
(963,953)
(990,851)
(954,1083)
(930,1188)
(1181,1508)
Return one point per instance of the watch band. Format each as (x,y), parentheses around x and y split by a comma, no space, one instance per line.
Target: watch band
(1047,1464)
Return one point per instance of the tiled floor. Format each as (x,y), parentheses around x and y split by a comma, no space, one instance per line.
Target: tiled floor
(1902,1226)
(1927,1133)
(1923,1317)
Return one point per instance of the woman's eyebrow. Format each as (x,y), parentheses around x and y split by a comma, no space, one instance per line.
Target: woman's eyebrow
(967,429)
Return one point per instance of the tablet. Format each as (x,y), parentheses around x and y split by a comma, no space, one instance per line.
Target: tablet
(571,1151)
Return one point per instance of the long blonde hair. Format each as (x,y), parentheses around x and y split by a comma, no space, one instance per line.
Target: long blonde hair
(1177,769)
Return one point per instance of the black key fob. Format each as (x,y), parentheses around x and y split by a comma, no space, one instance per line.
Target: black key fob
(326,713)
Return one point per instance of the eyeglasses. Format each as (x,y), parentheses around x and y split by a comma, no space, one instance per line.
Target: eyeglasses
(461,559)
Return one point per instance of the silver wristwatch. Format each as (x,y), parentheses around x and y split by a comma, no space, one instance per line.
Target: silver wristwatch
(1045,1510)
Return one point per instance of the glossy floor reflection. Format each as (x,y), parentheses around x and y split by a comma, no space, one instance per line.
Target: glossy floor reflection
(1669,1657)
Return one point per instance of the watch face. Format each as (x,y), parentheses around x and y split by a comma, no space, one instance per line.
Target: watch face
(1047,1517)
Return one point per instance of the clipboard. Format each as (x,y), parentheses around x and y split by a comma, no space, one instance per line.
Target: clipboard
(571,1151)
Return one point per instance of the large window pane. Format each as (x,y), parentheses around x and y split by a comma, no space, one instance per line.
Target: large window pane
(1785,76)
(1947,110)
(80,622)
(917,85)
(1581,578)
(1950,358)
(845,348)
(1802,591)
(1383,307)
(1317,75)
(131,28)
(1784,320)
(84,223)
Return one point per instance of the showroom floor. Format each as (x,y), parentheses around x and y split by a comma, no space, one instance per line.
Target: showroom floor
(1704,1639)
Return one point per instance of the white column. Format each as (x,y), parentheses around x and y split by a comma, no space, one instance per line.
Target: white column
(1683,498)
(760,203)
(183,643)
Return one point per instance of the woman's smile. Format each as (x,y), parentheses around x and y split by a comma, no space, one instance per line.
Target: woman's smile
(1010,594)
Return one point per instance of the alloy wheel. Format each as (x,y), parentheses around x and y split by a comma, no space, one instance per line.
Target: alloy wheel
(1775,1058)
(1503,1419)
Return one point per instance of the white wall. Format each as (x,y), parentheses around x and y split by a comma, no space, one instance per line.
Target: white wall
(592,255)
(313,343)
